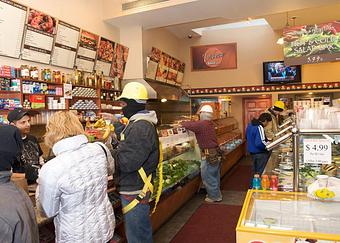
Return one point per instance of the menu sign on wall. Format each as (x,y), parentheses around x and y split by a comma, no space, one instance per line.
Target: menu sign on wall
(214,57)
(105,56)
(38,42)
(164,68)
(120,57)
(312,43)
(12,23)
(87,51)
(65,47)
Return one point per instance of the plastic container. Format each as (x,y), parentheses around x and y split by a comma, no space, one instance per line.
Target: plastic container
(274,183)
(265,184)
(256,182)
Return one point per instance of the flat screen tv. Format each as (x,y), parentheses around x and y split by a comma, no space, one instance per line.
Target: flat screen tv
(277,72)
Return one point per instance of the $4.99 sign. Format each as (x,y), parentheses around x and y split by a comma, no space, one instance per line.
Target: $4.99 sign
(317,151)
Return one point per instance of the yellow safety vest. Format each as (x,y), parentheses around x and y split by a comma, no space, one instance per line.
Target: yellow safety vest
(147,180)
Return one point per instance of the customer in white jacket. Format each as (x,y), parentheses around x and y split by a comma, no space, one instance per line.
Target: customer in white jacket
(73,185)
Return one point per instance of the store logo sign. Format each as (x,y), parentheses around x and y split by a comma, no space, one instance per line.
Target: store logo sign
(213,57)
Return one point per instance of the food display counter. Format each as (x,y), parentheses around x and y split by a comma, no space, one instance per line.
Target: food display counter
(229,138)
(281,161)
(287,217)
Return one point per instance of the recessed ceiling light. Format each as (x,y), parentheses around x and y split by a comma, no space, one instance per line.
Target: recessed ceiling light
(310,93)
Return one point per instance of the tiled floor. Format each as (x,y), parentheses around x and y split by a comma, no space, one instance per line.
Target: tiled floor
(168,231)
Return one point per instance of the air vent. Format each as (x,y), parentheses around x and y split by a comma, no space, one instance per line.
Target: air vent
(139,3)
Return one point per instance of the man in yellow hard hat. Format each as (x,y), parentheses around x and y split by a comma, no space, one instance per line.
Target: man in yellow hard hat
(272,128)
(137,158)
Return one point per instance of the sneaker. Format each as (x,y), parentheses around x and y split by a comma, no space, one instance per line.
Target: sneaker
(209,200)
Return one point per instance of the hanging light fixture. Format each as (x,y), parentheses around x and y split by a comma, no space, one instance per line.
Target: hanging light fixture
(281,40)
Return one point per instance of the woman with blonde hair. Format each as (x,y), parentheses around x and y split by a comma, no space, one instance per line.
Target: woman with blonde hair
(73,185)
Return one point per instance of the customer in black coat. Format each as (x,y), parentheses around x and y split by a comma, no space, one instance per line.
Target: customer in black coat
(17,218)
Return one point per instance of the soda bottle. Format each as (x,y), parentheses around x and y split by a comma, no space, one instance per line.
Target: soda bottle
(265,182)
(256,182)
(274,183)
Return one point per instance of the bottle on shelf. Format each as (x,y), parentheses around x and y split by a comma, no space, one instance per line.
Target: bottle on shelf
(256,182)
(265,184)
(102,80)
(95,76)
(25,71)
(274,183)
(75,79)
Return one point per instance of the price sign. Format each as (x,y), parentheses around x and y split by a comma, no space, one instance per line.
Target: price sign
(317,151)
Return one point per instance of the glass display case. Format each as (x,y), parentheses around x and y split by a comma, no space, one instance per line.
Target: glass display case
(281,161)
(287,217)
(181,157)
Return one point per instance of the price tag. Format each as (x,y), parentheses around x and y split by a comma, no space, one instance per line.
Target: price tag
(317,151)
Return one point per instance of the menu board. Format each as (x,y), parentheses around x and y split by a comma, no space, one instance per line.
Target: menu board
(87,51)
(165,68)
(12,23)
(65,47)
(38,42)
(105,56)
(119,61)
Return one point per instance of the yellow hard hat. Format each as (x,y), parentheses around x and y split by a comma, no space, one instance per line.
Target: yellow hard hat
(134,90)
(279,104)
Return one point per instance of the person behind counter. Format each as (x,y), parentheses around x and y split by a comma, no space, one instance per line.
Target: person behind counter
(72,187)
(257,141)
(17,217)
(137,156)
(207,141)
(273,127)
(31,156)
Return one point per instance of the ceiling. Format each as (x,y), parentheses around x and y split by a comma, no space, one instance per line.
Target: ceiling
(182,18)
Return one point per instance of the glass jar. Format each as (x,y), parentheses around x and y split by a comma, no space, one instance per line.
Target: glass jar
(25,71)
(34,73)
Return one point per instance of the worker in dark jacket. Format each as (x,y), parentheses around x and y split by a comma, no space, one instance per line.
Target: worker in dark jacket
(137,157)
(257,141)
(17,218)
(207,141)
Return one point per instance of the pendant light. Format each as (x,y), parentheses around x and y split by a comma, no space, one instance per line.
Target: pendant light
(281,41)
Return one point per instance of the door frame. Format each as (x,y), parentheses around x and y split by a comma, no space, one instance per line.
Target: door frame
(252,97)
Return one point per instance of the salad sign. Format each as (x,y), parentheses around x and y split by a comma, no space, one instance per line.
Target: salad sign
(312,43)
(317,151)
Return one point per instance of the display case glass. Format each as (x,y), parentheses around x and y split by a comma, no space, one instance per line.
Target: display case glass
(290,214)
(181,157)
(281,160)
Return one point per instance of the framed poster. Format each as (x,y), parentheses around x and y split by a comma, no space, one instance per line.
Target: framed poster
(120,57)
(312,43)
(87,51)
(39,37)
(65,46)
(105,56)
(12,24)
(214,57)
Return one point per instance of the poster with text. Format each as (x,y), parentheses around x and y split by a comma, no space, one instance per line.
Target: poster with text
(12,24)
(180,74)
(65,46)
(312,43)
(87,51)
(155,54)
(105,56)
(120,57)
(214,57)
(39,37)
